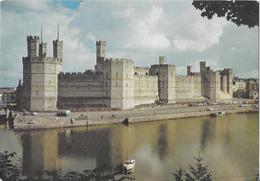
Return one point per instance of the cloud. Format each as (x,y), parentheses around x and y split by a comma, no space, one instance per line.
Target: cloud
(144,32)
(139,30)
(17,25)
(91,37)
(28,5)
(192,32)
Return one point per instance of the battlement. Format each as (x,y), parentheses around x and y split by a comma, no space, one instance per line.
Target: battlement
(226,71)
(57,41)
(42,60)
(119,60)
(88,74)
(162,65)
(147,77)
(189,77)
(162,60)
(33,38)
(141,70)
(194,74)
(101,43)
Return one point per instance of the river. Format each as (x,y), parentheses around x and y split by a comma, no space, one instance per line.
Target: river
(229,145)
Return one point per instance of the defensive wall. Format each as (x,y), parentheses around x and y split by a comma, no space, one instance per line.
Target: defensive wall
(39,90)
(80,89)
(114,83)
(188,88)
(145,89)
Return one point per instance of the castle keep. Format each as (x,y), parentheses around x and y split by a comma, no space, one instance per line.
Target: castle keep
(114,83)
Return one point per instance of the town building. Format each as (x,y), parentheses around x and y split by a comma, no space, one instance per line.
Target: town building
(239,87)
(252,89)
(7,96)
(114,83)
(246,88)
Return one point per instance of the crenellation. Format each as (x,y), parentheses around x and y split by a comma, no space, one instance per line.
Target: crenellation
(114,82)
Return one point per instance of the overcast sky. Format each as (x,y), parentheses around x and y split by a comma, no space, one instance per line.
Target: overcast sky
(139,30)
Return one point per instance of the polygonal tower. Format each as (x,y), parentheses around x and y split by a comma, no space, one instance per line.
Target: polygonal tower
(33,46)
(42,48)
(57,47)
(101,54)
(39,91)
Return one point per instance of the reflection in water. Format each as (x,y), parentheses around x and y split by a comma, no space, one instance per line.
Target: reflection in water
(208,129)
(40,152)
(81,143)
(229,144)
(162,141)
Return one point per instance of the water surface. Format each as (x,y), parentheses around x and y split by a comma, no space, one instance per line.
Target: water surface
(229,145)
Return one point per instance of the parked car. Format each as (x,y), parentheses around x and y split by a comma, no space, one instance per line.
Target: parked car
(27,113)
(63,113)
(210,109)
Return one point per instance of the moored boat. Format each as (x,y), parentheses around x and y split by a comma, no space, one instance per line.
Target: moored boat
(129,164)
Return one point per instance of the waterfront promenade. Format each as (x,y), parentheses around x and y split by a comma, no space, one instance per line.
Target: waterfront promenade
(91,118)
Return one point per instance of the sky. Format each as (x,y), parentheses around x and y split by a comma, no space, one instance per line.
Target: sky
(140,30)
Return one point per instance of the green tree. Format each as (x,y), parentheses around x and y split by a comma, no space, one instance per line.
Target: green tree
(199,172)
(239,12)
(179,174)
(8,168)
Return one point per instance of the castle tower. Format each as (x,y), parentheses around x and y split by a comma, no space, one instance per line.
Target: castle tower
(39,91)
(230,77)
(42,48)
(166,80)
(33,46)
(189,69)
(101,54)
(203,78)
(162,60)
(57,47)
(101,49)
(202,67)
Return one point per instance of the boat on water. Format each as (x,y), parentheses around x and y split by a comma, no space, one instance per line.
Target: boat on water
(220,113)
(129,164)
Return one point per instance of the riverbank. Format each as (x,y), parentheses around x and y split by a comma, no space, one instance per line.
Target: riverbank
(76,119)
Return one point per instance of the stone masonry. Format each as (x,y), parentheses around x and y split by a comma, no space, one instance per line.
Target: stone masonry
(114,83)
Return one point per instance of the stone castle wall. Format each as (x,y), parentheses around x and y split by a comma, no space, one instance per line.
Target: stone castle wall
(145,89)
(114,83)
(188,88)
(166,80)
(141,70)
(40,82)
(79,89)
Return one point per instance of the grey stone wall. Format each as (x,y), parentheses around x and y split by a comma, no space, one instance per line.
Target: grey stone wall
(114,83)
(145,89)
(39,91)
(166,81)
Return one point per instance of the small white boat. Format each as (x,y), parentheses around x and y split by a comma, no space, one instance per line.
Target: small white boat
(129,164)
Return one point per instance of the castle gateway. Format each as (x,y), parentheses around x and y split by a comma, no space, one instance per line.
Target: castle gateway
(114,83)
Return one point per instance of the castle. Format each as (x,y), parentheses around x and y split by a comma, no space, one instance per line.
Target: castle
(114,83)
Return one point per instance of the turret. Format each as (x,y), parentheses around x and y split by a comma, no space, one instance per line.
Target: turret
(202,67)
(101,54)
(33,46)
(57,46)
(42,48)
(162,60)
(101,49)
(189,69)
